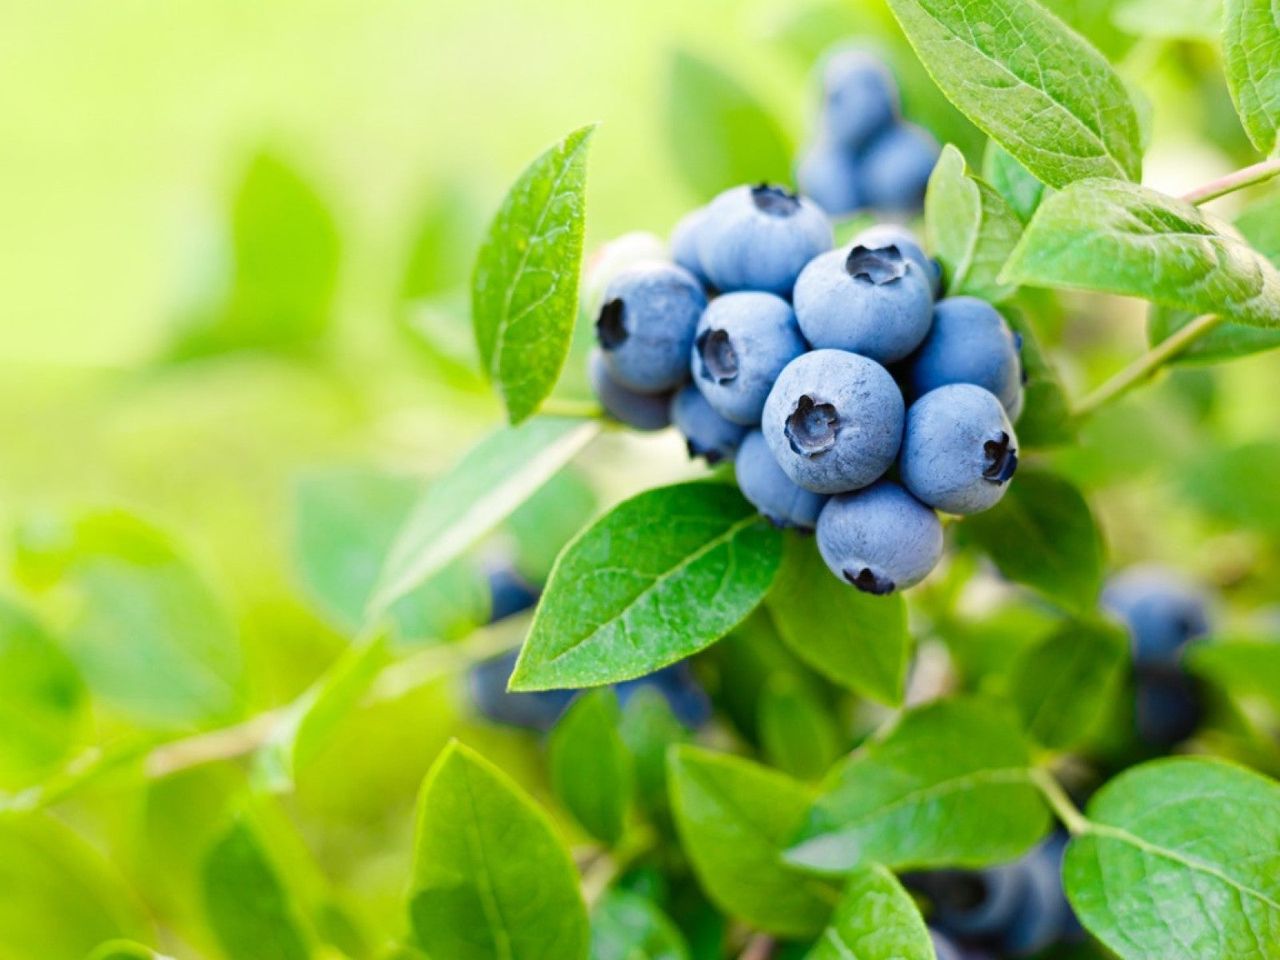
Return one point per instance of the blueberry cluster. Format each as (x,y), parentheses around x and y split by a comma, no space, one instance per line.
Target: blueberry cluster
(865,155)
(765,345)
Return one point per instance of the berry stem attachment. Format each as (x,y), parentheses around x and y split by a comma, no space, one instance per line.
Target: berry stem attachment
(1146,365)
(1246,177)
(1066,811)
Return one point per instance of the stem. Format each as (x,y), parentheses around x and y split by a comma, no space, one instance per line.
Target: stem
(578,409)
(1147,364)
(1246,177)
(1066,811)
(225,744)
(606,868)
(759,947)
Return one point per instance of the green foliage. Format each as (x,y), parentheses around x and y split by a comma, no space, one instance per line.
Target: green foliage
(798,735)
(1020,190)
(876,919)
(629,927)
(590,766)
(525,287)
(1247,669)
(1176,19)
(663,575)
(1046,418)
(1252,59)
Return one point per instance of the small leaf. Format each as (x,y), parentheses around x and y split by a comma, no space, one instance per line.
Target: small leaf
(1242,669)
(734,819)
(1020,190)
(876,919)
(493,479)
(590,767)
(719,134)
(249,910)
(970,229)
(662,576)
(855,639)
(797,732)
(625,926)
(1046,419)
(491,881)
(1043,534)
(1181,860)
(1174,19)
(949,786)
(1033,85)
(1064,685)
(1122,238)
(1252,58)
(524,292)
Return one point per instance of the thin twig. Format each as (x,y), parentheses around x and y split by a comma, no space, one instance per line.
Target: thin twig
(224,744)
(759,947)
(1238,180)
(1066,811)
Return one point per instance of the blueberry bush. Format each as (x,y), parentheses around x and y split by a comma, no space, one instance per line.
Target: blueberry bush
(955,635)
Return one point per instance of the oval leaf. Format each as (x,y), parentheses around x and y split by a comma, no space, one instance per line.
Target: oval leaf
(590,767)
(949,786)
(798,734)
(1252,57)
(524,292)
(662,576)
(1180,860)
(1030,83)
(876,919)
(1020,190)
(491,881)
(1122,238)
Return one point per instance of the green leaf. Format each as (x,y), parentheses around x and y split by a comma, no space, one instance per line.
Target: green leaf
(1122,238)
(590,767)
(61,898)
(734,819)
(345,521)
(625,926)
(649,728)
(950,785)
(492,480)
(445,234)
(543,524)
(1043,534)
(1242,669)
(1046,419)
(797,732)
(1029,82)
(1174,19)
(876,919)
(1252,59)
(719,134)
(42,700)
(148,635)
(858,640)
(1020,190)
(1064,685)
(662,576)
(249,910)
(482,852)
(524,292)
(970,229)
(1234,486)
(1181,860)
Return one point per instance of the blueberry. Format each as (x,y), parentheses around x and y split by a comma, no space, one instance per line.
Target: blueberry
(687,700)
(742,343)
(684,243)
(1045,917)
(896,167)
(833,421)
(611,258)
(958,449)
(1167,705)
(509,593)
(879,539)
(944,949)
(706,433)
(830,176)
(969,342)
(646,324)
(874,302)
(1162,610)
(532,711)
(891,235)
(643,411)
(770,490)
(973,905)
(860,98)
(759,238)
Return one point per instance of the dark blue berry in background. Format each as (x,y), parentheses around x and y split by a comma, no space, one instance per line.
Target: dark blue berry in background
(686,698)
(896,166)
(770,490)
(859,98)
(969,342)
(1168,705)
(879,539)
(646,324)
(509,593)
(706,433)
(1162,609)
(830,176)
(530,711)
(641,411)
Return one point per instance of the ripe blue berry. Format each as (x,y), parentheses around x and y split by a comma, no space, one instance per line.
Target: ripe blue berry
(706,433)
(1167,704)
(879,539)
(742,343)
(969,342)
(646,323)
(509,593)
(770,490)
(896,167)
(833,421)
(958,449)
(760,238)
(643,411)
(1162,609)
(860,98)
(828,174)
(891,235)
(874,302)
(532,711)
(684,243)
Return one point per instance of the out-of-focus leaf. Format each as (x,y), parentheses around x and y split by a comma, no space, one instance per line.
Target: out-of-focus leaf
(491,881)
(1237,486)
(1020,190)
(147,633)
(1175,19)
(1092,19)
(628,927)
(735,818)
(445,237)
(1252,58)
(41,699)
(949,786)
(125,950)
(58,898)
(797,732)
(1046,419)
(659,578)
(543,524)
(876,919)
(590,767)
(649,728)
(524,292)
(719,134)
(1244,669)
